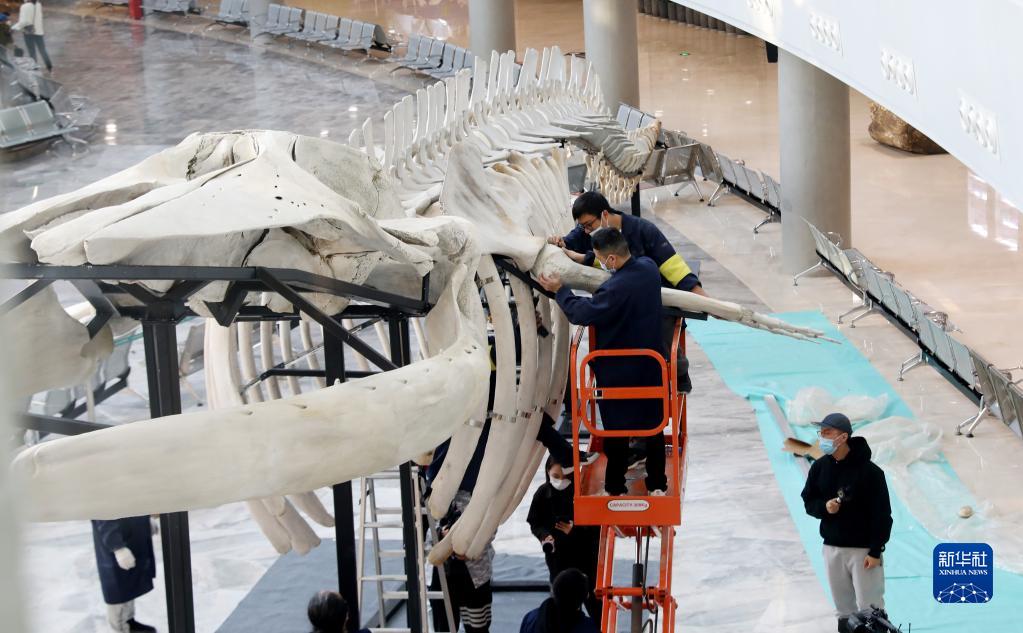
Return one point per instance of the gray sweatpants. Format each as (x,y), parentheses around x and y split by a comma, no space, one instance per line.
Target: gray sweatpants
(852,587)
(119,614)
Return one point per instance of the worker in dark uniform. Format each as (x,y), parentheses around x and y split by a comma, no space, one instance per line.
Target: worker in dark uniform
(592,211)
(626,312)
(127,566)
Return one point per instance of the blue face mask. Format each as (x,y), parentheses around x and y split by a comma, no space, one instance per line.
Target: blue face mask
(828,445)
(609,269)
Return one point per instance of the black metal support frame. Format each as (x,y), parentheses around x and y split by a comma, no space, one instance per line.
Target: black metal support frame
(159,315)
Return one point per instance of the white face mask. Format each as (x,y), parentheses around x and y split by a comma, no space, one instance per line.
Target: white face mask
(560,484)
(610,269)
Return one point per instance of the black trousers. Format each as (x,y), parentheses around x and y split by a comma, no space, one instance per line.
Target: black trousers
(681,362)
(555,443)
(617,451)
(471,605)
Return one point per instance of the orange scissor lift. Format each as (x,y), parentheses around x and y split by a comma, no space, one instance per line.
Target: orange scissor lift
(635,515)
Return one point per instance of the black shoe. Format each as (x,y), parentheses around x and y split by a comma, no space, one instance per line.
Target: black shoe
(843,625)
(684,384)
(586,458)
(138,627)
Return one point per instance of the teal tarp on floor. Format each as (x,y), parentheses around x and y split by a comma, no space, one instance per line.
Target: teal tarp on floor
(755,364)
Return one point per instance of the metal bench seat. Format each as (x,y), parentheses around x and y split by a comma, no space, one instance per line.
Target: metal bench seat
(328,32)
(450,64)
(353,36)
(289,21)
(772,191)
(75,110)
(411,50)
(964,368)
(236,12)
(169,6)
(28,124)
(311,26)
(849,263)
(678,165)
(430,58)
(368,36)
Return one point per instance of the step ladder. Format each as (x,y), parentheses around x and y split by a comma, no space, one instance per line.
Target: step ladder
(373,518)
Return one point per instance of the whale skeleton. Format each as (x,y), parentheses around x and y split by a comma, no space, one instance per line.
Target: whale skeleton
(555,99)
(453,188)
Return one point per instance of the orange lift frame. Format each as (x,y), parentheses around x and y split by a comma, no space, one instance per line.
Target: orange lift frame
(634,515)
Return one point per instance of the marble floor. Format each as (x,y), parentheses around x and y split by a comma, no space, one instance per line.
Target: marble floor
(157,82)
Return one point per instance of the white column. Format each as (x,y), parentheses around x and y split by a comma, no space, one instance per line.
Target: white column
(491,26)
(609,27)
(258,10)
(813,121)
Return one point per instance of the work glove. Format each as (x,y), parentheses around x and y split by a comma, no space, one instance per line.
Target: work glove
(125,559)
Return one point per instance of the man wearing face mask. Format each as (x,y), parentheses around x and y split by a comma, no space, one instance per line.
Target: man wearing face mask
(626,312)
(848,493)
(592,211)
(565,544)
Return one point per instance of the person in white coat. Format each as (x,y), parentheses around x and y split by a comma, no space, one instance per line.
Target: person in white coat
(30,23)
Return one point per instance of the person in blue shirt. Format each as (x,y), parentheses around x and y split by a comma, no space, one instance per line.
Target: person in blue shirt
(562,612)
(626,313)
(592,211)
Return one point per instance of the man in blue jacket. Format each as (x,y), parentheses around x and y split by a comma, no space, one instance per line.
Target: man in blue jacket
(626,312)
(592,211)
(127,566)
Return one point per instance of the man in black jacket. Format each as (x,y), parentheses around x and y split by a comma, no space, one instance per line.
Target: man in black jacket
(848,493)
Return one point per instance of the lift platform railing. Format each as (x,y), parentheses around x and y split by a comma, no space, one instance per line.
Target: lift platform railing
(630,509)
(632,516)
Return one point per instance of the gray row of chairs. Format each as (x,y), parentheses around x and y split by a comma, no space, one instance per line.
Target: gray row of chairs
(633,118)
(433,57)
(675,159)
(669,10)
(232,13)
(731,176)
(999,394)
(30,124)
(169,6)
(753,186)
(30,86)
(323,28)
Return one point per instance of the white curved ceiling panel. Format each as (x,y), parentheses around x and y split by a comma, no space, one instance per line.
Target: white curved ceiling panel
(951,68)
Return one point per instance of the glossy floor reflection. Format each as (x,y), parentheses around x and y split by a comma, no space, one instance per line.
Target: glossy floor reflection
(154,87)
